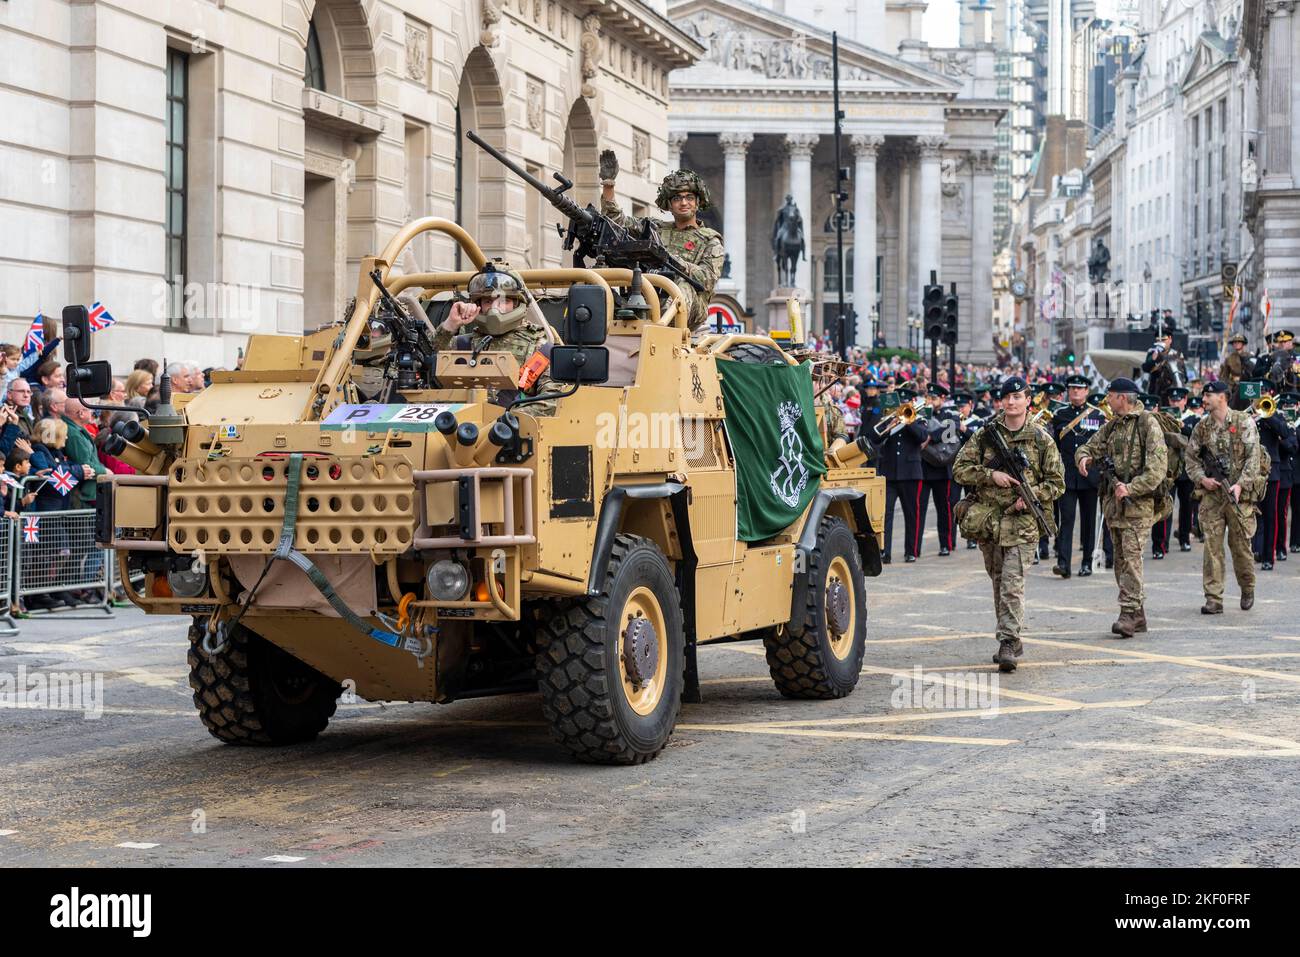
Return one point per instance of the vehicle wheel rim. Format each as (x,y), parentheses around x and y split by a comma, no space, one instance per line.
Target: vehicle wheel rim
(840,612)
(642,651)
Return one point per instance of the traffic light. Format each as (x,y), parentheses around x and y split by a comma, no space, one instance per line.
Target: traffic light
(950,304)
(932,306)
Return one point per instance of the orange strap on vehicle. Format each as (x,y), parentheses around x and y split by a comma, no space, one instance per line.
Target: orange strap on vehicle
(532,371)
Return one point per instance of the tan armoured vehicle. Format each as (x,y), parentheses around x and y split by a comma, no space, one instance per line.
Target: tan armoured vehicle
(423,543)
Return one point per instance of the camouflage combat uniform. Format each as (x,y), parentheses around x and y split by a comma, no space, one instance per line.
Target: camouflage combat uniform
(1233,370)
(698,246)
(1012,534)
(833,422)
(1236,442)
(520,343)
(1136,443)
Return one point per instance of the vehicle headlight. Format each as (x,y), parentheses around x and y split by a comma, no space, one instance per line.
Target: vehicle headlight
(448,580)
(185,582)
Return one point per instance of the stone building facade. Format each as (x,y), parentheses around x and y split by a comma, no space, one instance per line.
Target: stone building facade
(208,170)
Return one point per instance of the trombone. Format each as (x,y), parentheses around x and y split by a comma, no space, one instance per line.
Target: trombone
(898,418)
(1263,407)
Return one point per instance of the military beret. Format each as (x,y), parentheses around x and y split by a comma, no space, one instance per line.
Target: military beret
(1076,381)
(937,388)
(1176,393)
(1123,384)
(1010,386)
(1218,387)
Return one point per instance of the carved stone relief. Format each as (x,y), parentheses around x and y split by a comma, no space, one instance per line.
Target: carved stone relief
(735,47)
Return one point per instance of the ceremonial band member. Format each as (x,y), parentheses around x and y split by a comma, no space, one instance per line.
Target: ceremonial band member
(900,464)
(996,515)
(1176,406)
(683,194)
(1280,443)
(936,475)
(1072,427)
(1135,444)
(1231,437)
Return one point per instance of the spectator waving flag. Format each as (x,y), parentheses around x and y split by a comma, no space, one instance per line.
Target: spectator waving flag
(63,480)
(99,318)
(35,340)
(31,529)
(9,481)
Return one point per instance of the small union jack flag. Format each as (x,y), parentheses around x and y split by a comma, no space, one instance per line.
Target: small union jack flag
(31,528)
(99,318)
(9,481)
(35,340)
(63,480)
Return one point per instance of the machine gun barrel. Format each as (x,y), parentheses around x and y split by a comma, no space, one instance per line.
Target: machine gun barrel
(555,197)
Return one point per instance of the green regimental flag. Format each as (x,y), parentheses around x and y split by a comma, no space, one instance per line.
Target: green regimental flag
(772,425)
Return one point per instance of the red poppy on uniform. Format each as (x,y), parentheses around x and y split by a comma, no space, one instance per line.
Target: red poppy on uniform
(690,244)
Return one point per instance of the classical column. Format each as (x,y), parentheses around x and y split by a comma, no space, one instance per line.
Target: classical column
(976,332)
(676,142)
(800,148)
(930,209)
(734,232)
(1277,94)
(865,150)
(904,269)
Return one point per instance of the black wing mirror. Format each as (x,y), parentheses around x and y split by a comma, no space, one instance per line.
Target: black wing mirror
(585,320)
(580,365)
(86,379)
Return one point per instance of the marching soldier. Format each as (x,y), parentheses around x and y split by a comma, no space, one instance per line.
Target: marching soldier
(936,475)
(1229,436)
(683,194)
(1280,443)
(1072,427)
(1176,406)
(1134,445)
(996,514)
(1236,364)
(900,464)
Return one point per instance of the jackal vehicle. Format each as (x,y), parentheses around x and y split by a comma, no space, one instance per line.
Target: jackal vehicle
(418,542)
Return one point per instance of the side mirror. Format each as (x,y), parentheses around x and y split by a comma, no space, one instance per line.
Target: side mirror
(76,335)
(585,320)
(92,380)
(580,365)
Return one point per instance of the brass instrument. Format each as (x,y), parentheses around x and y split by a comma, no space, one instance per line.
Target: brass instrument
(898,417)
(1104,407)
(1263,407)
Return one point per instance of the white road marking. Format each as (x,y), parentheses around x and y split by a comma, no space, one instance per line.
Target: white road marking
(283,859)
(7,833)
(137,845)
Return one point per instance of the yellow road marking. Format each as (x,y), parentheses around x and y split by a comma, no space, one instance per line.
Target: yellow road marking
(850,735)
(909,717)
(1284,743)
(1022,695)
(1191,662)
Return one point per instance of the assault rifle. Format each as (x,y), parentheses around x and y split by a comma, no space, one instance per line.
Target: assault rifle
(594,234)
(1016,465)
(1216,467)
(1105,466)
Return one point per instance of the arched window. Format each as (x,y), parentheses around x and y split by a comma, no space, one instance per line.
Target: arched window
(313,76)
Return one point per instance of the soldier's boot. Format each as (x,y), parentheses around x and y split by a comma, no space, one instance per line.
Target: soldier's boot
(1126,626)
(1009,649)
(1140,620)
(1060,568)
(1212,607)
(1247,600)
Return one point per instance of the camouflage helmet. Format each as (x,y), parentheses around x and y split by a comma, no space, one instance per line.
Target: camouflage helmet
(497,278)
(683,181)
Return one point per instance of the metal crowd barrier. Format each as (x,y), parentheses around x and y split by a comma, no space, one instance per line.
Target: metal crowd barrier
(52,553)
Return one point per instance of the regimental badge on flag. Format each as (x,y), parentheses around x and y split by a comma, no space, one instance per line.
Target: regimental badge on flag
(63,480)
(99,317)
(31,529)
(35,340)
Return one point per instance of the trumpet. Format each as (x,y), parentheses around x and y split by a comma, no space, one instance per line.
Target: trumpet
(1264,406)
(898,417)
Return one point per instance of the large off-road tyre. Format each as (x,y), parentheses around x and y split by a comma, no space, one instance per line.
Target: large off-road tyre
(826,659)
(611,667)
(252,692)
(754,352)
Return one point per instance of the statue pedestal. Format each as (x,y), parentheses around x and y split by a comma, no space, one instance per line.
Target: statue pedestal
(776,309)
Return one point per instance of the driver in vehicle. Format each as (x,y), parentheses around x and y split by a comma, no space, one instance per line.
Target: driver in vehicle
(495,319)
